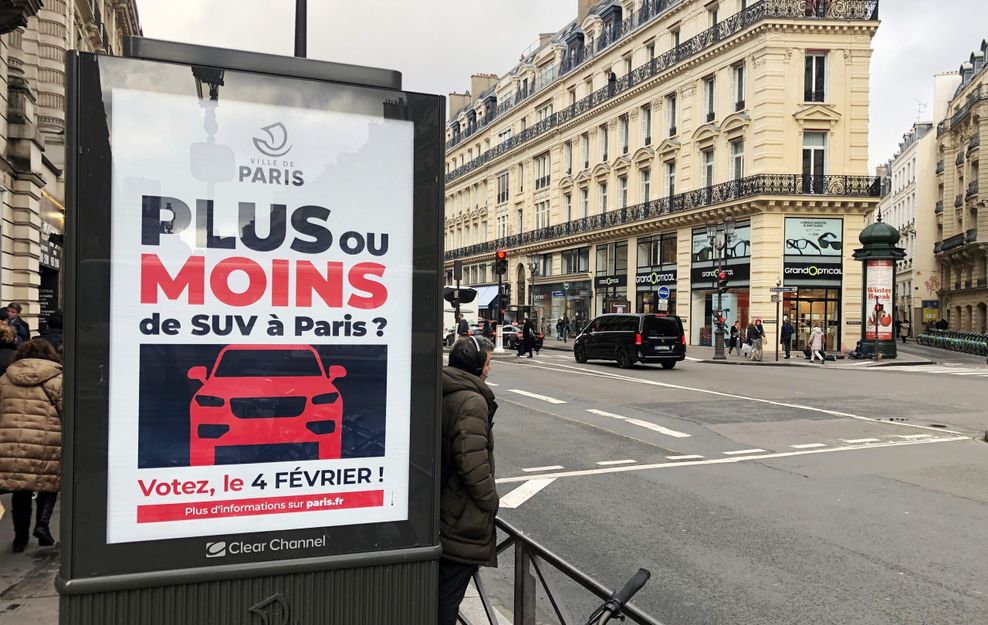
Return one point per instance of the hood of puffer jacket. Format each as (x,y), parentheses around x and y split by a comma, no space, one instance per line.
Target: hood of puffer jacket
(32,371)
(459,380)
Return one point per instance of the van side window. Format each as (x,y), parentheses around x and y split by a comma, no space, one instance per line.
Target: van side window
(629,324)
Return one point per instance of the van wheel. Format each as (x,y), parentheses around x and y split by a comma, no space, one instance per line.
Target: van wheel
(668,364)
(580,355)
(624,360)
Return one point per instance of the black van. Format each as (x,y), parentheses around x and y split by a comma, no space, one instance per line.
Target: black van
(632,338)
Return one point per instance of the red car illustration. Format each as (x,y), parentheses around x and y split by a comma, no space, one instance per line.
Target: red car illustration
(265,398)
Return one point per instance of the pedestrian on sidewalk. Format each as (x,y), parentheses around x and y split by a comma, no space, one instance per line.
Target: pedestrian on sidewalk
(734,342)
(19,325)
(787,333)
(559,329)
(756,334)
(462,327)
(816,344)
(31,437)
(903,327)
(566,329)
(468,499)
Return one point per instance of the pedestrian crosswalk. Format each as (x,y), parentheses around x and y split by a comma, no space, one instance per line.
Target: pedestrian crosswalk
(958,370)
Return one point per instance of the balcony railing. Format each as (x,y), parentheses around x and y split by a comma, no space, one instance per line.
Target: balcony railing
(960,159)
(974,143)
(764,9)
(940,166)
(958,201)
(762,184)
(938,247)
(952,242)
(971,235)
(939,209)
(813,96)
(972,188)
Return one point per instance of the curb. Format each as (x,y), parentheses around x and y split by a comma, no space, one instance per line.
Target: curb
(749,363)
(910,363)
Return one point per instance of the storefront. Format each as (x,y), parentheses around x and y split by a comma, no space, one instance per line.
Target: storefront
(813,264)
(657,275)
(50,260)
(562,299)
(708,259)
(611,279)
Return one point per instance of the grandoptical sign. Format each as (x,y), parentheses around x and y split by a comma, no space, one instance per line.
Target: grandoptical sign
(814,271)
(606,282)
(654,279)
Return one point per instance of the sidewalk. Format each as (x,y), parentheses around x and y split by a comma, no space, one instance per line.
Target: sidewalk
(27,580)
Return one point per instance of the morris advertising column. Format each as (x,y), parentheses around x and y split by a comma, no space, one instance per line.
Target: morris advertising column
(879,255)
(251,398)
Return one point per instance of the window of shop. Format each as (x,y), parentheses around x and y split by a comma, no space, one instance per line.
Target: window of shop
(612,278)
(612,259)
(810,307)
(656,277)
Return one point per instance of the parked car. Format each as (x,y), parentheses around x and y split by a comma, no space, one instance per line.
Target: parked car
(628,339)
(265,396)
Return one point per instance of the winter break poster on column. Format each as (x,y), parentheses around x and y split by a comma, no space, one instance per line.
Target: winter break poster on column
(260,336)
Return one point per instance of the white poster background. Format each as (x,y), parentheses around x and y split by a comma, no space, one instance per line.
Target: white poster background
(880,276)
(361,169)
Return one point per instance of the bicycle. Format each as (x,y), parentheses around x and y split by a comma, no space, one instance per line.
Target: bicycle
(613,607)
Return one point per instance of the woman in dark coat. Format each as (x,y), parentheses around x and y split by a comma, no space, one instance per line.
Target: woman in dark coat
(8,346)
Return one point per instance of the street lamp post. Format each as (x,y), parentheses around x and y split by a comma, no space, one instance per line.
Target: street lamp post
(720,236)
(533,267)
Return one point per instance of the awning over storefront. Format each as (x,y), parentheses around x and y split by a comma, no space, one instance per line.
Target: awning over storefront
(485,296)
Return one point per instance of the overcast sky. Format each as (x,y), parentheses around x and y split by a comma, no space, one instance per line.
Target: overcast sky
(437,44)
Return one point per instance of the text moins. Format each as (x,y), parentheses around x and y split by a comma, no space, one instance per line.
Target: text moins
(360,283)
(308,222)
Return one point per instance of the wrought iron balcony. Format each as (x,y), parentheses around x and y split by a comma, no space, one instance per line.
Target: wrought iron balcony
(739,106)
(862,10)
(971,235)
(982,283)
(972,188)
(938,247)
(762,184)
(958,201)
(939,209)
(953,242)
(960,159)
(979,94)
(813,96)
(974,143)
(940,166)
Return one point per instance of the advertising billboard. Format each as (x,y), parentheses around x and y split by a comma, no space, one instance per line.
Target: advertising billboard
(245,388)
(814,236)
(880,281)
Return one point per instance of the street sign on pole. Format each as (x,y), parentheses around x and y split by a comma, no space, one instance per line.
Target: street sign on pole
(784,289)
(663,292)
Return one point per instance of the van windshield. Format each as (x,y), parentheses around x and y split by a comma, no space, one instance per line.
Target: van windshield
(661,326)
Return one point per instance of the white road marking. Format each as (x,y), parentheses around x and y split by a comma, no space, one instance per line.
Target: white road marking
(613,376)
(492,384)
(607,463)
(551,400)
(644,424)
(691,359)
(817,445)
(525,492)
(554,467)
(687,457)
(855,441)
(913,435)
(731,460)
(743,451)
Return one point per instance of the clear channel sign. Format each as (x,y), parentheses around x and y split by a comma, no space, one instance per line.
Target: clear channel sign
(242,388)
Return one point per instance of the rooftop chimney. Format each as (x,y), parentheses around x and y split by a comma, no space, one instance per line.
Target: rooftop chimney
(457,101)
(583,9)
(480,83)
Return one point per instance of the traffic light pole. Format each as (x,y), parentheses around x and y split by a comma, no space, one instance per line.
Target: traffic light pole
(499,323)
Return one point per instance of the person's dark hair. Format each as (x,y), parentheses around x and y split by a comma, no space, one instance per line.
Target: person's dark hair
(37,348)
(464,354)
(55,320)
(15,306)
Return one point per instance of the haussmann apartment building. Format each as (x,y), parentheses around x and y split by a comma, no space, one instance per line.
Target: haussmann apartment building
(611,159)
(961,246)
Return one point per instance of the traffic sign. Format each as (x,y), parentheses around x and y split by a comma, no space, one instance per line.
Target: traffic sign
(663,292)
(663,305)
(784,289)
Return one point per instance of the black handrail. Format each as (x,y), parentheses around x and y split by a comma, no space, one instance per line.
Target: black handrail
(760,184)
(530,555)
(757,12)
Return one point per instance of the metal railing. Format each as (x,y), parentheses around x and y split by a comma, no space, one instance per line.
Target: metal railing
(953,242)
(972,188)
(971,235)
(761,184)
(939,208)
(532,557)
(940,166)
(979,94)
(757,12)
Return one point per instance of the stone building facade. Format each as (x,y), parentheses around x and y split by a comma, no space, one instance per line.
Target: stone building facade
(602,159)
(32,136)
(962,216)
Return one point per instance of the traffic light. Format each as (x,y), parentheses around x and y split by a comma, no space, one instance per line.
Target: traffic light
(879,307)
(722,279)
(500,262)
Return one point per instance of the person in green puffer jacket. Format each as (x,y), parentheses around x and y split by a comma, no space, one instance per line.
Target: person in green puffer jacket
(468,498)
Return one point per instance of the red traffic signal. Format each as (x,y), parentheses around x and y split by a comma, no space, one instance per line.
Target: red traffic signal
(722,275)
(500,262)
(501,255)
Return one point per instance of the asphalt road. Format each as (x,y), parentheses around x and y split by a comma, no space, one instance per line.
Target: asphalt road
(755,495)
